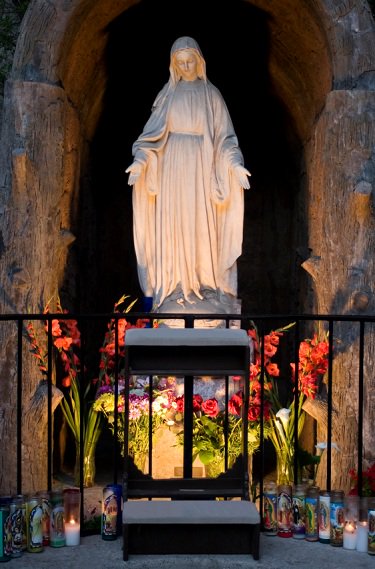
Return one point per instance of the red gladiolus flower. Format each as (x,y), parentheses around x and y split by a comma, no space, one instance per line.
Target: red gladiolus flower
(73,332)
(274,338)
(63,343)
(56,330)
(255,386)
(266,410)
(66,381)
(254,371)
(269,349)
(273,369)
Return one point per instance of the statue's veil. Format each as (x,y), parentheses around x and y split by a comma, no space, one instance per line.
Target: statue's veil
(186,42)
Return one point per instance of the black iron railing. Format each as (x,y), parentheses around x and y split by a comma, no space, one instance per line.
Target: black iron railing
(356,328)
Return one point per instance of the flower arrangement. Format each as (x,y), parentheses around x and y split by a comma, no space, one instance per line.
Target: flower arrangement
(368,481)
(139,413)
(139,393)
(208,428)
(312,366)
(210,424)
(66,340)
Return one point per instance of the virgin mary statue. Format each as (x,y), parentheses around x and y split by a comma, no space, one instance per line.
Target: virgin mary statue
(188,205)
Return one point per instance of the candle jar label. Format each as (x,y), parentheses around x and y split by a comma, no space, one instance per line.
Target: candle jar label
(109,514)
(57,520)
(5,545)
(324,518)
(371,532)
(57,532)
(311,530)
(298,512)
(16,527)
(270,510)
(34,514)
(337,519)
(46,522)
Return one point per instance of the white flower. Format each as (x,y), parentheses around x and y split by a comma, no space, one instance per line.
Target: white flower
(170,423)
(283,415)
(323,446)
(160,404)
(156,406)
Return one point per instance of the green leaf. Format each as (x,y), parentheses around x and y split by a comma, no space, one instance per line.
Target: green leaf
(206,456)
(305,458)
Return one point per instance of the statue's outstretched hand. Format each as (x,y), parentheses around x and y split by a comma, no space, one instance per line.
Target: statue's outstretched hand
(241,173)
(134,172)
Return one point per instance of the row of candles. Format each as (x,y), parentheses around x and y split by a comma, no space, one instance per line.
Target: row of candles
(29,523)
(317,515)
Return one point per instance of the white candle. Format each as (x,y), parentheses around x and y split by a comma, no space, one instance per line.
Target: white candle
(72,533)
(362,537)
(350,536)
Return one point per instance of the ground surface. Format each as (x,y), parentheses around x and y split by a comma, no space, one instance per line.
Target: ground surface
(276,553)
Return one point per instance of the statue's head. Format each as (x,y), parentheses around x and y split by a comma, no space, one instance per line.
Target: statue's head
(184,49)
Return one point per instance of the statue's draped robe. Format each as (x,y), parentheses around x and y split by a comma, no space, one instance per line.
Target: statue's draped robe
(187,205)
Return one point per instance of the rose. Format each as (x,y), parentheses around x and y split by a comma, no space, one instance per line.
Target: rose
(210,407)
(197,402)
(235,404)
(180,404)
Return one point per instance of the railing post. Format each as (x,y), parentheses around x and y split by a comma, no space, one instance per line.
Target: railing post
(49,404)
(19,405)
(296,398)
(360,407)
(261,430)
(116,394)
(329,410)
(188,416)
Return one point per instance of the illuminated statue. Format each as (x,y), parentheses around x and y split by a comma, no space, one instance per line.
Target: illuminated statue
(188,178)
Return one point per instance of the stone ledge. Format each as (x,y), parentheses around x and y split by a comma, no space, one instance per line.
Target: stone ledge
(186,337)
(190,512)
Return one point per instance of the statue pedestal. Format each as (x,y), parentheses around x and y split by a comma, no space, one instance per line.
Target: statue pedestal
(198,306)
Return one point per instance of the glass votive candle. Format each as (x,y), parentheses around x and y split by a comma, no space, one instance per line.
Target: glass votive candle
(362,536)
(362,526)
(351,508)
(350,535)
(72,509)
(371,526)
